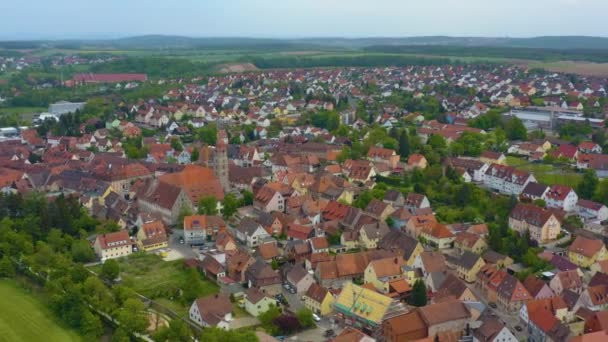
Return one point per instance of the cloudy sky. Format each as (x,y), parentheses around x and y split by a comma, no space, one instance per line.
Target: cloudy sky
(56,19)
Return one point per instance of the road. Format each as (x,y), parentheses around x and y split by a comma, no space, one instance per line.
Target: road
(511,320)
(554,244)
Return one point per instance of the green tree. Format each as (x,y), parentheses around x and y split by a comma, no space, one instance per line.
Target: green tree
(418,296)
(404,144)
(207,206)
(247,198)
(176,144)
(220,335)
(515,129)
(230,205)
(90,325)
(133,316)
(305,318)
(195,155)
(267,318)
(176,331)
(7,269)
(82,251)
(191,286)
(588,185)
(110,269)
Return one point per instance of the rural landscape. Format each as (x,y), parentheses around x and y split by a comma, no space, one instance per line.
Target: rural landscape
(304,171)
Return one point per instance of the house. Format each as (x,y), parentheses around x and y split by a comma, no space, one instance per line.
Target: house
(257,302)
(381,272)
(237,263)
(469,242)
(584,252)
(378,209)
(589,210)
(318,300)
(319,244)
(383,155)
(152,235)
(589,147)
(268,250)
(211,266)
(297,231)
(594,298)
(544,326)
(490,157)
(371,234)
(466,266)
(394,197)
(454,288)
(417,161)
(113,245)
(262,276)
(269,199)
(472,170)
(299,278)
(404,328)
(224,242)
(364,308)
(164,199)
(212,311)
(566,280)
(353,335)
(507,179)
(437,235)
(417,201)
(250,232)
(511,293)
(493,330)
(541,223)
(561,197)
(405,246)
(537,288)
(534,191)
(554,306)
(451,315)
(199,228)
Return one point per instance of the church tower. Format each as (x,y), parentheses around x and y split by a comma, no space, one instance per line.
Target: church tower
(221,159)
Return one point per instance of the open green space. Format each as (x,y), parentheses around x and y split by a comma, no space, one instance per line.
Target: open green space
(547,173)
(151,276)
(22,110)
(24,317)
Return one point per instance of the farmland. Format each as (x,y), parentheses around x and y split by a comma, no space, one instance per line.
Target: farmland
(23,317)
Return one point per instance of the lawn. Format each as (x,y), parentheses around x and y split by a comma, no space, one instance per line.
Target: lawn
(547,173)
(23,317)
(22,110)
(160,280)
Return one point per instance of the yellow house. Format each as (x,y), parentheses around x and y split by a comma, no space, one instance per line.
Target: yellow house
(349,239)
(319,300)
(466,266)
(151,236)
(371,234)
(256,302)
(347,196)
(382,271)
(469,242)
(113,245)
(437,235)
(541,223)
(585,252)
(363,307)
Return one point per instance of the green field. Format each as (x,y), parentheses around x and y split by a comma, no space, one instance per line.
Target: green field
(25,318)
(154,278)
(546,173)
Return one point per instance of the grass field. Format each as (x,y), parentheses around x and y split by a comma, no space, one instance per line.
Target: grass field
(154,278)
(546,173)
(25,318)
(22,110)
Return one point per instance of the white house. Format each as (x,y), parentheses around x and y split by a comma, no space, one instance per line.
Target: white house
(591,211)
(113,245)
(561,197)
(506,179)
(251,233)
(212,311)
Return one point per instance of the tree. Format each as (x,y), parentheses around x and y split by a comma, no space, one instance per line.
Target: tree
(207,206)
(418,296)
(247,198)
(404,144)
(515,129)
(7,269)
(176,331)
(287,324)
(305,318)
(110,269)
(176,144)
(82,251)
(230,205)
(132,316)
(90,325)
(195,155)
(191,286)
(267,319)
(588,185)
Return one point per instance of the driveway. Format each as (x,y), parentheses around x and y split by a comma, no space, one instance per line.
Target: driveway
(243,322)
(178,251)
(294,300)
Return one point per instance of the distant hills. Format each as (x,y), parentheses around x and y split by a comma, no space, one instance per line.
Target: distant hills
(183,42)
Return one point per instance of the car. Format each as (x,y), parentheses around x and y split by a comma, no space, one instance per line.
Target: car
(286,286)
(316,317)
(241,303)
(518,328)
(493,305)
(329,333)
(181,241)
(292,291)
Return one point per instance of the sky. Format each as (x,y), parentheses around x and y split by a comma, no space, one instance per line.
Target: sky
(99,19)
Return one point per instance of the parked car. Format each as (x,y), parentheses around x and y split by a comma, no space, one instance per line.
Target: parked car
(518,328)
(316,317)
(493,305)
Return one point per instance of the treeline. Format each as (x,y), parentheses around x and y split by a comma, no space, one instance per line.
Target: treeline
(345,61)
(592,55)
(154,67)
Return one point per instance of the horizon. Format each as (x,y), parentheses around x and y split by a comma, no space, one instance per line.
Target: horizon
(292,19)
